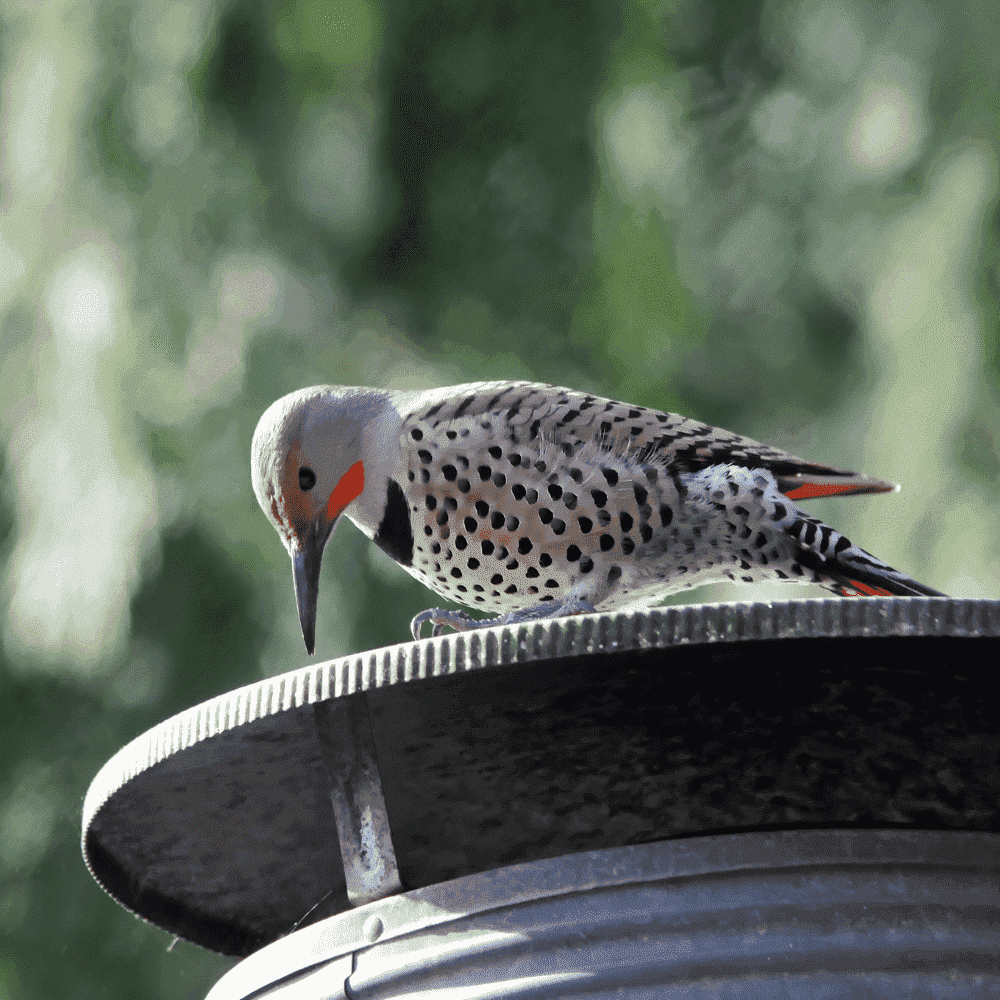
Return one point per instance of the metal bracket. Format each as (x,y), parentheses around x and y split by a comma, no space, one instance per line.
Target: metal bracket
(345,738)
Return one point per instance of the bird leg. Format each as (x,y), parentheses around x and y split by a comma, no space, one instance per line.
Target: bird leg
(442,618)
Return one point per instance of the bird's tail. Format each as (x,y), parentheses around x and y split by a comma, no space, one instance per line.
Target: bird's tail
(853,572)
(846,569)
(857,581)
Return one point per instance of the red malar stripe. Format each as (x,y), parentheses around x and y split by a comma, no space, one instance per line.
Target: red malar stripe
(351,484)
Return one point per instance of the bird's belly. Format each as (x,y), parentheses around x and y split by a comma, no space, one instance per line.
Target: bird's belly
(498,541)
(491,539)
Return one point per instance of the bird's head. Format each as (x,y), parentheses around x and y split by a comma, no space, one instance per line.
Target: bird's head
(308,463)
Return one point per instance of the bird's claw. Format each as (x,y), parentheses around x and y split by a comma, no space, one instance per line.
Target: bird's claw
(442,618)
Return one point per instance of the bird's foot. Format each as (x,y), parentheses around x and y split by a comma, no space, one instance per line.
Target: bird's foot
(442,618)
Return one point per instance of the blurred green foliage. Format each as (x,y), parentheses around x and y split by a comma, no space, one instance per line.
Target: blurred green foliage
(778,217)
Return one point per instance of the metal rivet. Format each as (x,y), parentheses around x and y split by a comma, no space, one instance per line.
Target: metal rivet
(373,928)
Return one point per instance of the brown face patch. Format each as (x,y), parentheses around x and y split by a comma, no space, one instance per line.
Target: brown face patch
(299,507)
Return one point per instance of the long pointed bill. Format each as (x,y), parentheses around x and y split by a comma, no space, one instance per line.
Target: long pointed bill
(305,570)
(307,558)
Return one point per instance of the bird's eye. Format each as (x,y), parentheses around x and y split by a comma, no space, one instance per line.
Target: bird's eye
(307,478)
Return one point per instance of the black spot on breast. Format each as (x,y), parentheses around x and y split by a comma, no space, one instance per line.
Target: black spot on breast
(586,564)
(424,455)
(569,499)
(600,497)
(517,491)
(484,472)
(544,515)
(497,520)
(614,574)
(626,520)
(524,546)
(395,533)
(470,524)
(544,560)
(442,517)
(460,542)
(417,434)
(495,451)
(555,491)
(610,475)
(607,543)
(487,547)
(585,524)
(449,472)
(558,527)
(431,501)
(499,480)
(628,546)
(482,508)
(573,553)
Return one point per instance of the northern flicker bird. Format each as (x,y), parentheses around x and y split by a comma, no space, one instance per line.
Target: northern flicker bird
(531,501)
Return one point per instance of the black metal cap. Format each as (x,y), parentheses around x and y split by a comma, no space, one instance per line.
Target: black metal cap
(521,743)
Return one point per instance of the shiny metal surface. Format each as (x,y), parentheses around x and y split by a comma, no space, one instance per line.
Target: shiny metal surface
(839,913)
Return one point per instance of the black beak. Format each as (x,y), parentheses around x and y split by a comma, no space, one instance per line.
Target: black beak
(306,562)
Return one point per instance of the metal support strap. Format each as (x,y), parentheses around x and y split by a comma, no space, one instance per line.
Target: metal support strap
(345,737)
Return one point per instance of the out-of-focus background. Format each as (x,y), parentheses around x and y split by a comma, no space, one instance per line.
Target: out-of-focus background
(776,216)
